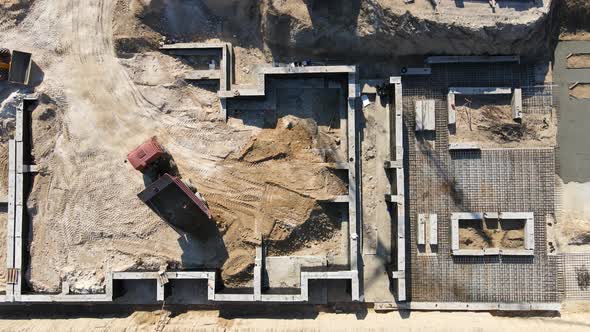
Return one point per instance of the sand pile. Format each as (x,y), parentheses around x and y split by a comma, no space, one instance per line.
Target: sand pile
(491,234)
(267,191)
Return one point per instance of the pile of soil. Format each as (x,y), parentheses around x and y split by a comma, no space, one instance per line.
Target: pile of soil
(285,178)
(300,28)
(493,125)
(491,234)
(365,28)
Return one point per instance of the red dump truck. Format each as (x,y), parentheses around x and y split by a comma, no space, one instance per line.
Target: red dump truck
(146,154)
(167,195)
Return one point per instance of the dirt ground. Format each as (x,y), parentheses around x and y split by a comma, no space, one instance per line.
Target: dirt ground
(581,91)
(106,89)
(579,61)
(493,126)
(491,234)
(86,218)
(571,320)
(571,231)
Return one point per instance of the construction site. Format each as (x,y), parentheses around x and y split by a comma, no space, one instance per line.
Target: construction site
(386,154)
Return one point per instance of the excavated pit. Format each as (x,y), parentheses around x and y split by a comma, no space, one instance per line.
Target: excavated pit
(489,123)
(491,234)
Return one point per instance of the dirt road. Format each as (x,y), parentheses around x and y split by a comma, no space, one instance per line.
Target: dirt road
(298,321)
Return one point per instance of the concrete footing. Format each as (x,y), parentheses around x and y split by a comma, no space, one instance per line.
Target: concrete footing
(397,198)
(529,233)
(347,265)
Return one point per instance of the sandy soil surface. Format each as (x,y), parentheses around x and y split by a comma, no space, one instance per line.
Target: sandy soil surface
(581,91)
(570,320)
(493,126)
(491,234)
(366,28)
(86,218)
(106,89)
(579,61)
(572,226)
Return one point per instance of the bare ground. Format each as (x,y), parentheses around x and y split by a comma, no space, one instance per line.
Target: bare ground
(581,91)
(86,219)
(490,234)
(493,126)
(579,61)
(572,319)
(572,225)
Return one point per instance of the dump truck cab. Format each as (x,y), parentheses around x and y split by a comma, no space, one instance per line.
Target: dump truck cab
(146,155)
(15,66)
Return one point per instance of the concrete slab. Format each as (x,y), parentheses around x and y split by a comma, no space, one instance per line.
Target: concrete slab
(421,229)
(480,90)
(517,104)
(397,149)
(284,272)
(198,75)
(464,146)
(433,230)
(452,111)
(424,111)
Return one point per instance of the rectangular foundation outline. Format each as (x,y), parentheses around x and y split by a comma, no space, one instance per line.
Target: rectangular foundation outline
(529,235)
(351,198)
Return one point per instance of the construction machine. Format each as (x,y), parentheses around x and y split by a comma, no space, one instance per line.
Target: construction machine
(166,194)
(15,66)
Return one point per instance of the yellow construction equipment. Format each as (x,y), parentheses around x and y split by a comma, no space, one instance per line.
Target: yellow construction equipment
(15,67)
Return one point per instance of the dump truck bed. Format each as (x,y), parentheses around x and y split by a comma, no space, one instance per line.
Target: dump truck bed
(20,67)
(174,202)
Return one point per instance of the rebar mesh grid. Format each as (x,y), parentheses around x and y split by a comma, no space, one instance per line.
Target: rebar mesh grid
(576,276)
(476,75)
(538,99)
(495,180)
